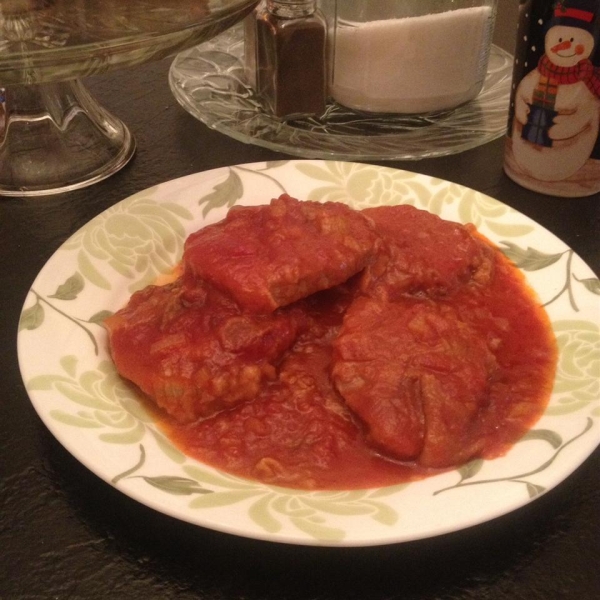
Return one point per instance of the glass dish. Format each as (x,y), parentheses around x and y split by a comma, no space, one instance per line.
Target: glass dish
(208,81)
(54,136)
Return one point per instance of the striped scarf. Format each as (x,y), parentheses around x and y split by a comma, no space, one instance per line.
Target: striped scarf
(583,71)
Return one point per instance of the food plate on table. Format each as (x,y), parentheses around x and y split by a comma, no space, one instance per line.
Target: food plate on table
(99,418)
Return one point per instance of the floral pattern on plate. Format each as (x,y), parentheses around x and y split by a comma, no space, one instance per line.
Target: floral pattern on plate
(100,419)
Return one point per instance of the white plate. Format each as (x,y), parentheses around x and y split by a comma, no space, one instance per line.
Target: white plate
(74,388)
(208,81)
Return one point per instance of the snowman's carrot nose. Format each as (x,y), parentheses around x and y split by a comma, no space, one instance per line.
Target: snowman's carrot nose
(562,46)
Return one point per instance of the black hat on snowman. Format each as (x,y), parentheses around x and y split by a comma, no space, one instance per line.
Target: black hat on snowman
(576,13)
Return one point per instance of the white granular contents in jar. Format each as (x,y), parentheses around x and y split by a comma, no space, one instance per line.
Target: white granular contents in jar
(413,64)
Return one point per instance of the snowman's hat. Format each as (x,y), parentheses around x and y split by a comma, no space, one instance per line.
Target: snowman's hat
(576,13)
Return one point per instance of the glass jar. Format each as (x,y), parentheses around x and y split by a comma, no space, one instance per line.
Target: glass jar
(286,56)
(408,56)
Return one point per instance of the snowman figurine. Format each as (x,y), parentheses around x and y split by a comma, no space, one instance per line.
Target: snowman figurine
(557,105)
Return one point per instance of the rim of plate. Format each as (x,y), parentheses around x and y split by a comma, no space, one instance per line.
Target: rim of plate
(98,420)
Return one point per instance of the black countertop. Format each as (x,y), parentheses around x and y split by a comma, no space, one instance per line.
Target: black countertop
(64,533)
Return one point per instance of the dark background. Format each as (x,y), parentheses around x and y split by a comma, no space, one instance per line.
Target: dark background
(66,534)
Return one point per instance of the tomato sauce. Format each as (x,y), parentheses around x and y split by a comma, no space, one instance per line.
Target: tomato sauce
(526,355)
(299,433)
(311,346)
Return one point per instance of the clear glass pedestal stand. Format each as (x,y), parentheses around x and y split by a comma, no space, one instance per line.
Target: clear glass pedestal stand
(55,137)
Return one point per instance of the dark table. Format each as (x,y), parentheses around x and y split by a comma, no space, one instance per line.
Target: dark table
(64,533)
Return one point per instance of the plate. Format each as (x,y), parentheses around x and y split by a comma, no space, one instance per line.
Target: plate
(208,81)
(76,391)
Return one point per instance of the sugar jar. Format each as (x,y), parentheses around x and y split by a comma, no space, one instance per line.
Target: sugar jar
(408,56)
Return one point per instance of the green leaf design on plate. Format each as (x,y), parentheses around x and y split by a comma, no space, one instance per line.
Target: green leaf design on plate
(135,407)
(133,435)
(329,172)
(508,229)
(472,205)
(384,514)
(32,317)
(346,505)
(44,382)
(90,272)
(140,463)
(390,490)
(70,289)
(308,511)
(224,194)
(273,164)
(318,531)
(533,490)
(481,210)
(577,381)
(138,239)
(69,364)
(470,469)
(74,420)
(592,284)
(167,448)
(217,478)
(179,486)
(264,174)
(362,186)
(529,259)
(223,498)
(437,201)
(110,404)
(269,512)
(75,392)
(546,435)
(99,317)
(260,512)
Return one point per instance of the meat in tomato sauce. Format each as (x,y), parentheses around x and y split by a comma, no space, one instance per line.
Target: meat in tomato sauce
(388,346)
(268,256)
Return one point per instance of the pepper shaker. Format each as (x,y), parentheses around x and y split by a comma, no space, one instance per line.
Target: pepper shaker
(290,56)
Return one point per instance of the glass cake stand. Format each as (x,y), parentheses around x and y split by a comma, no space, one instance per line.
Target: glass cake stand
(54,136)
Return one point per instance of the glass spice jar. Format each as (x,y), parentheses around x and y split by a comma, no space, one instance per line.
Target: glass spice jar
(290,56)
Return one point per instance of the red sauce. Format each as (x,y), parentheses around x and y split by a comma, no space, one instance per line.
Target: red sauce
(298,432)
(433,353)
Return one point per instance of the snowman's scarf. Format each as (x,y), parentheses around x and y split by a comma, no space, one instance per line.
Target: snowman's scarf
(582,71)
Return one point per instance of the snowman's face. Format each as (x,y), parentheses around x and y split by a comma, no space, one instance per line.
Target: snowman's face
(566,46)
